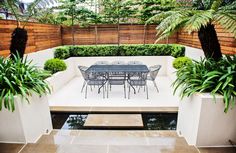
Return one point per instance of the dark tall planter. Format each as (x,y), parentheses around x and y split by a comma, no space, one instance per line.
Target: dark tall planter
(209,42)
(18,42)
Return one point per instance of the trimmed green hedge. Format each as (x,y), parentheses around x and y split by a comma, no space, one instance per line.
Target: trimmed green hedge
(55,65)
(123,50)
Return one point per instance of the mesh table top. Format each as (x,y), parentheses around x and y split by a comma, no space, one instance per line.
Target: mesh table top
(117,68)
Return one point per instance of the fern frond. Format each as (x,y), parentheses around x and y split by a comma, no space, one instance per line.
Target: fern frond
(227,19)
(175,21)
(198,20)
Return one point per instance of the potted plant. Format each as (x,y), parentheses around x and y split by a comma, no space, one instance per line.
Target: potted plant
(24,106)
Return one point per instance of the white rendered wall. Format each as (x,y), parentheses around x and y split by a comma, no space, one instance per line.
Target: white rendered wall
(40,57)
(27,123)
(203,122)
(59,79)
(194,53)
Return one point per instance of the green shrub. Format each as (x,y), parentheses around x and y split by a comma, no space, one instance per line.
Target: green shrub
(55,65)
(122,50)
(208,75)
(181,61)
(62,53)
(19,77)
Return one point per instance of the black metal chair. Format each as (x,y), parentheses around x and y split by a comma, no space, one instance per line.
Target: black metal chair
(84,74)
(153,71)
(116,79)
(96,79)
(138,79)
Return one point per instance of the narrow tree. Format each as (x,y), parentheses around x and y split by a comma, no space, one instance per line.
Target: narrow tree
(200,16)
(21,14)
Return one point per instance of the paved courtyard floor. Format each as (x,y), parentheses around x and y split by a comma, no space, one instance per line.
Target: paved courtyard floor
(109,141)
(69,98)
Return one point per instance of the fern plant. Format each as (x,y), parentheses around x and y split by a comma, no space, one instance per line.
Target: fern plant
(200,16)
(208,75)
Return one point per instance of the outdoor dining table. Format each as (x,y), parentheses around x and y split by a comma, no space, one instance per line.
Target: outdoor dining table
(111,69)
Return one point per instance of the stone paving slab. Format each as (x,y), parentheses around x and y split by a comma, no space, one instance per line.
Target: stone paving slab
(114,120)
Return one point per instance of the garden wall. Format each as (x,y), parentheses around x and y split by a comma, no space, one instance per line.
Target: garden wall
(41,36)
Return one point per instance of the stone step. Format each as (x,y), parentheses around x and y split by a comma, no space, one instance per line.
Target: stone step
(75,148)
(114,121)
(87,137)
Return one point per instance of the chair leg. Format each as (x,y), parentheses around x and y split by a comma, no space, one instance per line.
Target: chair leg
(86,89)
(139,88)
(129,93)
(144,88)
(155,85)
(125,90)
(107,89)
(91,88)
(147,91)
(103,92)
(83,86)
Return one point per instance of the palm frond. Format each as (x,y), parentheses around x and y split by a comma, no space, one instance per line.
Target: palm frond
(199,19)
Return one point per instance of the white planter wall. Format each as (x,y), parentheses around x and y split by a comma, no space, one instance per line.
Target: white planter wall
(27,123)
(203,122)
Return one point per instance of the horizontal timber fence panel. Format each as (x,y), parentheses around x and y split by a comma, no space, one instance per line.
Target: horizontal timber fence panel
(113,34)
(40,36)
(226,39)
(43,36)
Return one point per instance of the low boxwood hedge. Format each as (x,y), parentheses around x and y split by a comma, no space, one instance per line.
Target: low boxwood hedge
(122,50)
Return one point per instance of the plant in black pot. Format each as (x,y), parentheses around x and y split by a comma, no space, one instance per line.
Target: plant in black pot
(22,13)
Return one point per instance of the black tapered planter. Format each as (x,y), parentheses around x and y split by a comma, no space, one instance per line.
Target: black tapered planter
(18,42)
(209,42)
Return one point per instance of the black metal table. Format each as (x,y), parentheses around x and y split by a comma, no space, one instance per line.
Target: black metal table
(108,69)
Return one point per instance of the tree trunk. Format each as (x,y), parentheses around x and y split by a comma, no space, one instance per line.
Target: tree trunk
(209,42)
(18,42)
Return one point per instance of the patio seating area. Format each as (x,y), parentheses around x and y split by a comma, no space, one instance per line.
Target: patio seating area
(73,95)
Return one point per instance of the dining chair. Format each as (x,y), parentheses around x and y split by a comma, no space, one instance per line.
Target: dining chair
(116,79)
(84,74)
(139,80)
(153,71)
(96,79)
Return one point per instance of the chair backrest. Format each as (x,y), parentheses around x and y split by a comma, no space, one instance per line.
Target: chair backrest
(118,63)
(135,63)
(101,63)
(83,72)
(153,71)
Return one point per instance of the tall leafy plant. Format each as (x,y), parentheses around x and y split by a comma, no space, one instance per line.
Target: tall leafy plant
(208,75)
(19,77)
(200,16)
(22,14)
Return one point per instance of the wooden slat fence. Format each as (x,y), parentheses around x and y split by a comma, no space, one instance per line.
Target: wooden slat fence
(40,36)
(226,39)
(43,36)
(109,34)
